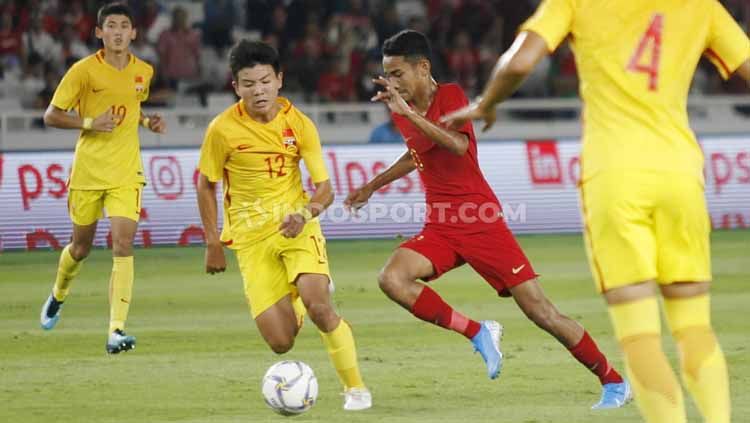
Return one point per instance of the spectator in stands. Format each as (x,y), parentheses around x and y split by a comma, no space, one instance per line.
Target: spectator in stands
(179,50)
(37,41)
(304,71)
(32,81)
(366,89)
(72,49)
(386,132)
(386,23)
(337,84)
(82,22)
(10,41)
(463,62)
(219,17)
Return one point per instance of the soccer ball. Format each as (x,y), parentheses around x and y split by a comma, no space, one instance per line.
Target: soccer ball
(290,387)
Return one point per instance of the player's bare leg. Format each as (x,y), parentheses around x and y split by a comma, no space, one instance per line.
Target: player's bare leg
(69,265)
(278,325)
(337,338)
(398,280)
(121,283)
(536,306)
(702,363)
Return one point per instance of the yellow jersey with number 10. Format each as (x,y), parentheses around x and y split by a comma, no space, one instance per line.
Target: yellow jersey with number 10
(636,60)
(105,160)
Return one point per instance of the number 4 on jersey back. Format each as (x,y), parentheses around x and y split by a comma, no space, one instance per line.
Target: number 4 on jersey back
(650,40)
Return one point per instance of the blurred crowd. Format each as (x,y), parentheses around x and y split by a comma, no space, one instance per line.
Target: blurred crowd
(330,48)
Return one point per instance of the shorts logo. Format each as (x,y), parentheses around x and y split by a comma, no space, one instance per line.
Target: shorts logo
(515,270)
(289,141)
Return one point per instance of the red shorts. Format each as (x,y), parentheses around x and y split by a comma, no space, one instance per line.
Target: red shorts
(493,253)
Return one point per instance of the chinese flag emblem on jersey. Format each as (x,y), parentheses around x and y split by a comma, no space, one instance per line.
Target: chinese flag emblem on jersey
(138,84)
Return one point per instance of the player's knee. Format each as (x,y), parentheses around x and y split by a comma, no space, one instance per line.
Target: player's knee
(122,247)
(281,345)
(79,251)
(389,281)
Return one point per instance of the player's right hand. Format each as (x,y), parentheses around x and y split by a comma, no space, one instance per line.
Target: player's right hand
(105,122)
(357,199)
(215,261)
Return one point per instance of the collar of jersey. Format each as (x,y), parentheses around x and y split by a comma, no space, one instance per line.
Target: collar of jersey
(286,106)
(100,56)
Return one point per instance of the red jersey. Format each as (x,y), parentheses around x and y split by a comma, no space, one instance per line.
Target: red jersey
(457,195)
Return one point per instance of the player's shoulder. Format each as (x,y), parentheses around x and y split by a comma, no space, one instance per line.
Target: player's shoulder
(296,118)
(227,117)
(450,90)
(143,66)
(85,64)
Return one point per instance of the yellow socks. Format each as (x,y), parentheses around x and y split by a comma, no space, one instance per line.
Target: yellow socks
(67,269)
(120,291)
(657,392)
(704,369)
(340,345)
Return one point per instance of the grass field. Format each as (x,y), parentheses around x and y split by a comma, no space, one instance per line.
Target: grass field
(200,359)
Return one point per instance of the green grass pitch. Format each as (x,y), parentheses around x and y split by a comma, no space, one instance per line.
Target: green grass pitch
(200,359)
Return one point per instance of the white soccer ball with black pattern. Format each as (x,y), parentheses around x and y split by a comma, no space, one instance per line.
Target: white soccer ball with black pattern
(290,387)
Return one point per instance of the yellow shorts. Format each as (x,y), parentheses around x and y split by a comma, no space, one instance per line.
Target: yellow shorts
(643,226)
(85,206)
(270,267)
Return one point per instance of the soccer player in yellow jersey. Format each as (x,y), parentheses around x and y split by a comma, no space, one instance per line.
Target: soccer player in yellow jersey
(642,189)
(254,147)
(105,90)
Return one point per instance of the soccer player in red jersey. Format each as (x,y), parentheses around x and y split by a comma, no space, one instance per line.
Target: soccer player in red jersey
(464,221)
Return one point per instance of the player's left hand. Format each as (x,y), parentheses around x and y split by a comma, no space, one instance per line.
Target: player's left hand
(473,111)
(157,124)
(391,97)
(292,225)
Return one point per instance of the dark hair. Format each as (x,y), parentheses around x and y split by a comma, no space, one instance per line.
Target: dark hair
(246,54)
(113,9)
(413,45)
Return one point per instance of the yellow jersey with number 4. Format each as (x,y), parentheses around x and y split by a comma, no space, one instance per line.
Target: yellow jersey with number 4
(259,166)
(105,160)
(636,60)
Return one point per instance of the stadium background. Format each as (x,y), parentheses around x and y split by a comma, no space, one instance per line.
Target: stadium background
(199,357)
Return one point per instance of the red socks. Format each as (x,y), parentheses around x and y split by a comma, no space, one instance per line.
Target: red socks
(588,354)
(431,308)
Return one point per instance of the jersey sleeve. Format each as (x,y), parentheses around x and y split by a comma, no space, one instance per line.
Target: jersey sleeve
(454,100)
(552,21)
(312,152)
(727,46)
(70,89)
(143,95)
(214,154)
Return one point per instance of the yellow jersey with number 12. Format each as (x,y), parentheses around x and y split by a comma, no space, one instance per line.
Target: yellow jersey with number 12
(636,60)
(259,166)
(105,160)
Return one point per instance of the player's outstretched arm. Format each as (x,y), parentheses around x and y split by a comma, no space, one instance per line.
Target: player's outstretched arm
(400,168)
(206,194)
(59,118)
(510,71)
